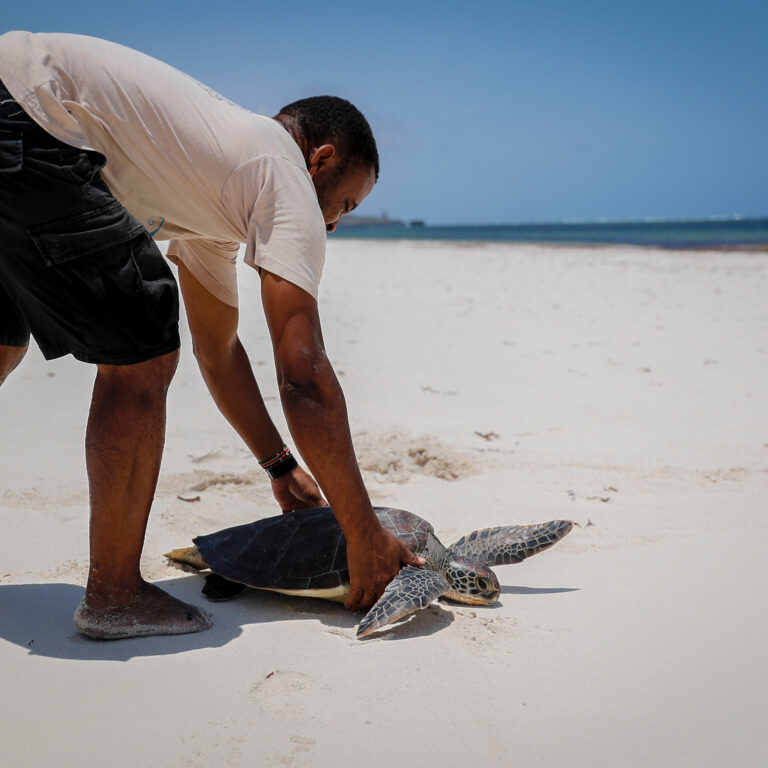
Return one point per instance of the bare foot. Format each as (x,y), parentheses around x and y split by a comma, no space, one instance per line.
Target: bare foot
(150,611)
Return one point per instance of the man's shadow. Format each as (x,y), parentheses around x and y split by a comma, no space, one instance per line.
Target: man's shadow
(38,617)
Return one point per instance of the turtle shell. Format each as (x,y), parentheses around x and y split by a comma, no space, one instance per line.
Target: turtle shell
(305,549)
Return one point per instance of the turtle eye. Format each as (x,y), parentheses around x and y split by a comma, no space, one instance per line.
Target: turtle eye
(483,584)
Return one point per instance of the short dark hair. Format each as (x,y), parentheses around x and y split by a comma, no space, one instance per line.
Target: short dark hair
(331,119)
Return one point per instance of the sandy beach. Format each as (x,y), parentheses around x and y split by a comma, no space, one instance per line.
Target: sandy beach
(621,388)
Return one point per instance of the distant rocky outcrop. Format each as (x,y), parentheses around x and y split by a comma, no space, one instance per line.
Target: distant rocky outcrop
(369,221)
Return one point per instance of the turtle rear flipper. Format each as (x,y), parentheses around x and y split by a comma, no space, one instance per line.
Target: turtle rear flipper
(218,589)
(510,544)
(186,559)
(411,589)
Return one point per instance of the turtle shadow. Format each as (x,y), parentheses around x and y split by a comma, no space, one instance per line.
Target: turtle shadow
(255,606)
(509,590)
(428,621)
(258,606)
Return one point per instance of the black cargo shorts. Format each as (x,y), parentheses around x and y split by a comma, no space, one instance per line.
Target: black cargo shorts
(76,269)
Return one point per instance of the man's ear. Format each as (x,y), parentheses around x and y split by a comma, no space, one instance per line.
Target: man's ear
(320,157)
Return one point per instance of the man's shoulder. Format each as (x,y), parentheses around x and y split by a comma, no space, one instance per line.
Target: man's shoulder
(268,146)
(272,173)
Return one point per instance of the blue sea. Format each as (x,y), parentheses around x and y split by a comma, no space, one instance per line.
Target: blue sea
(705,233)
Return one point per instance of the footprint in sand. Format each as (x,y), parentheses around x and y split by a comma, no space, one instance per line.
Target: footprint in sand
(281,691)
(478,628)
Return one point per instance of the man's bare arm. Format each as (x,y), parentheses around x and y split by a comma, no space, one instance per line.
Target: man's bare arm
(230,380)
(317,417)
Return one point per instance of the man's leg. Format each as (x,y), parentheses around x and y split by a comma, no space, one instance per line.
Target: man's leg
(10,357)
(124,445)
(109,299)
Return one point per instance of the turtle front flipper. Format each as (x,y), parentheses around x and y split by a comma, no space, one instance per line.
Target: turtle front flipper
(411,589)
(510,544)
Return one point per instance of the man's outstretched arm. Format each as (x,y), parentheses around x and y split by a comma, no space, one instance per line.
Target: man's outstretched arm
(230,380)
(317,417)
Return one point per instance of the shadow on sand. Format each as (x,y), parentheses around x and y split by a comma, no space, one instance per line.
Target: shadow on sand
(38,617)
(536,590)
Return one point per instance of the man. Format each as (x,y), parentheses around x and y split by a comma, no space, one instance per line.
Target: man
(103,148)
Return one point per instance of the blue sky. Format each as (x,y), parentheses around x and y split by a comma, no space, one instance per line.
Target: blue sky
(501,112)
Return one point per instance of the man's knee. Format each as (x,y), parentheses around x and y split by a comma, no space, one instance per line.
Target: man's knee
(10,357)
(164,367)
(152,377)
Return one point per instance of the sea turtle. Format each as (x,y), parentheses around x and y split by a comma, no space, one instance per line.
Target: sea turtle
(305,553)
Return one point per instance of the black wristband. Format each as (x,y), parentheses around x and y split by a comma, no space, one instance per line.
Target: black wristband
(283,467)
(280,464)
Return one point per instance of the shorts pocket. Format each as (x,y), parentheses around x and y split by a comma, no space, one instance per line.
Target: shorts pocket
(66,239)
(10,150)
(155,280)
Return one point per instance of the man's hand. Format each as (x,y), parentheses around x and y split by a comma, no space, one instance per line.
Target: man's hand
(374,560)
(297,490)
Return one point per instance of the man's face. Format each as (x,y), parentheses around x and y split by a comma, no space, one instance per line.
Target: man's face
(339,189)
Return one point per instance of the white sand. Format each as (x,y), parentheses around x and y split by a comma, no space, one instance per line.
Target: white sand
(622,387)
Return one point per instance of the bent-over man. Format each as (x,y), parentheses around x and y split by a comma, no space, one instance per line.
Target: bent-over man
(104,149)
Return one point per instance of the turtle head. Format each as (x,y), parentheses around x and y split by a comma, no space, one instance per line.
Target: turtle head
(471,582)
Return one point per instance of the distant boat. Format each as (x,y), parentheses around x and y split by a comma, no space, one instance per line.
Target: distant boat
(416,223)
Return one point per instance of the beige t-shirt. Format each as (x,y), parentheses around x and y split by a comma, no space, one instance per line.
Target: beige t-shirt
(190,165)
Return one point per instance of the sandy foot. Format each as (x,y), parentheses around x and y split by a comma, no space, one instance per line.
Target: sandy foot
(151,612)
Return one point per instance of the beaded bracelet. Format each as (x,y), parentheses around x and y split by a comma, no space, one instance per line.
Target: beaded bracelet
(280,464)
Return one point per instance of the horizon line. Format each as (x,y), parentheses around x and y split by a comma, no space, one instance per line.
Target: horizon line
(580,221)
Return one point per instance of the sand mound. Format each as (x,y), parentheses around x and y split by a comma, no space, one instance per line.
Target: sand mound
(395,457)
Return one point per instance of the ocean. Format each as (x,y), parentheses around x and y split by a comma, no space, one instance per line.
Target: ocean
(704,233)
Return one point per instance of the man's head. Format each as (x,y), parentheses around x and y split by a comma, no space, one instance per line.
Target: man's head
(340,151)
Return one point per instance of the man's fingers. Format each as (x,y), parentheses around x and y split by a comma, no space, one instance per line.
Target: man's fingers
(354,599)
(409,558)
(363,600)
(308,497)
(311,495)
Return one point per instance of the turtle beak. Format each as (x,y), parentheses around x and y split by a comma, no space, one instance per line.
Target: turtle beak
(472,599)
(490,589)
(486,598)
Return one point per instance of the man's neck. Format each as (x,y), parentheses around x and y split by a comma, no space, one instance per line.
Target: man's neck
(290,125)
